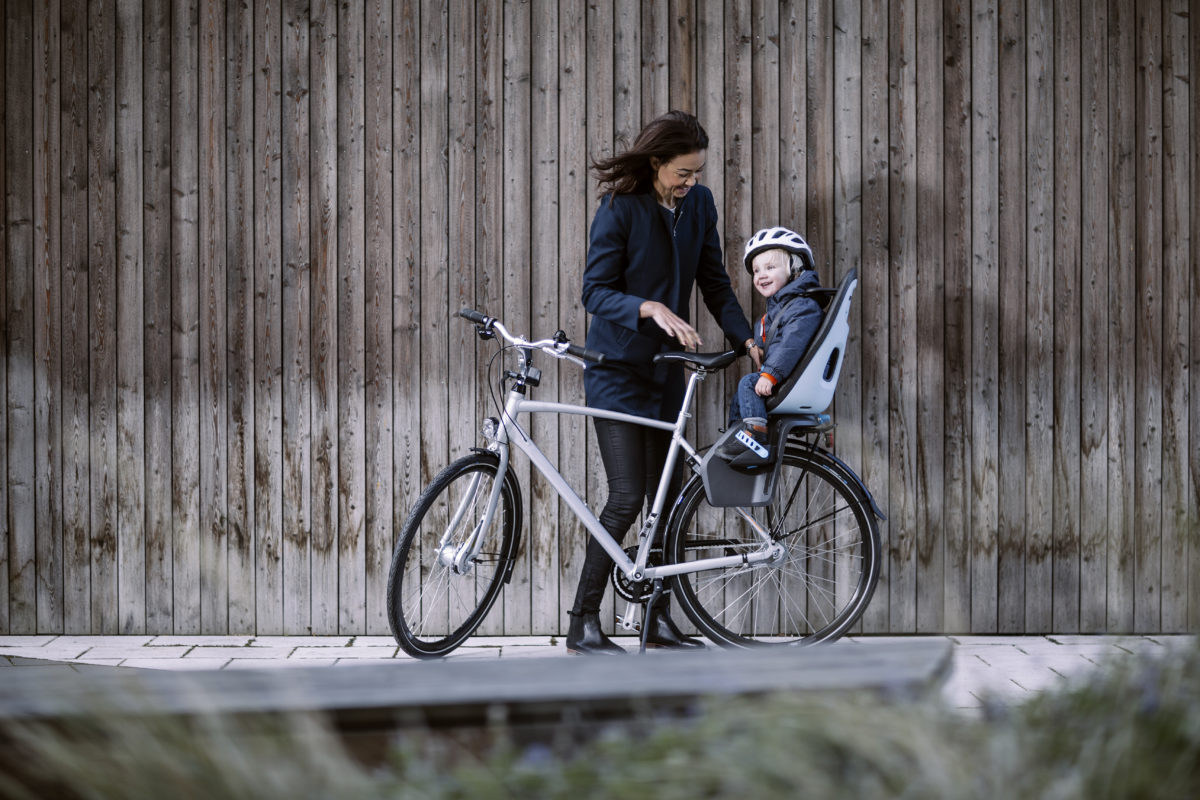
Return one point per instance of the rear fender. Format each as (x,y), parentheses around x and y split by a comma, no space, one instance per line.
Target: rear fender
(849,476)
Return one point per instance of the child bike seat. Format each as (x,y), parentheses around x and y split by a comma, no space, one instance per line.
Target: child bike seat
(809,388)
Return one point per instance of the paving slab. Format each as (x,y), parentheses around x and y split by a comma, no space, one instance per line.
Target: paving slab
(310,653)
(1029,674)
(108,651)
(373,641)
(1013,659)
(1142,646)
(1174,641)
(99,641)
(513,641)
(1101,653)
(1072,639)
(28,641)
(50,652)
(307,641)
(261,653)
(465,654)
(1073,667)
(45,665)
(106,662)
(992,640)
(176,664)
(288,664)
(891,639)
(200,640)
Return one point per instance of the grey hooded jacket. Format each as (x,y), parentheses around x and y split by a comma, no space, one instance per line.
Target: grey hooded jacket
(789,324)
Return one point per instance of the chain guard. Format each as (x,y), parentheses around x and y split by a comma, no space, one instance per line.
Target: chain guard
(633,591)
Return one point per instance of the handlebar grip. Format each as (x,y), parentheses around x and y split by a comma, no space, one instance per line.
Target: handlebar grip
(474,316)
(587,355)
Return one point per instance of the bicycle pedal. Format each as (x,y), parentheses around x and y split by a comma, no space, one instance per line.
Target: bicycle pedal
(635,626)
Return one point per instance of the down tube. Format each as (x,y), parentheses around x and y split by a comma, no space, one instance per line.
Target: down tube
(525,444)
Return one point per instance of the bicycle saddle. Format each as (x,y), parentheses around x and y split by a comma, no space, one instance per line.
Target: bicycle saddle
(709,361)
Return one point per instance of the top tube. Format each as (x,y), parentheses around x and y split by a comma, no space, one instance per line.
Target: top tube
(534,406)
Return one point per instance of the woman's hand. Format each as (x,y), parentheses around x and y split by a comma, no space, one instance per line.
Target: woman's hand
(763,387)
(755,352)
(670,322)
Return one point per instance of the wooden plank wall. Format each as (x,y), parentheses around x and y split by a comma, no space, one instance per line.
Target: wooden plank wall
(234,235)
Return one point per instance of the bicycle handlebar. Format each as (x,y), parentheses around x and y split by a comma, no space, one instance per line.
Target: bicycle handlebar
(475,316)
(587,355)
(556,348)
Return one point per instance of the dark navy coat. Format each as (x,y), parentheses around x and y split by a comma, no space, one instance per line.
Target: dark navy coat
(641,251)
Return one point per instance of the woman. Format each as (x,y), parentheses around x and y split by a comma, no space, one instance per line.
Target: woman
(654,237)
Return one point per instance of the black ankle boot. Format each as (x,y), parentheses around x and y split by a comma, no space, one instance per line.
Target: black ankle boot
(664,633)
(585,638)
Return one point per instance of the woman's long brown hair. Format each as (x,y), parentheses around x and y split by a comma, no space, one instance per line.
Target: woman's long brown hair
(674,134)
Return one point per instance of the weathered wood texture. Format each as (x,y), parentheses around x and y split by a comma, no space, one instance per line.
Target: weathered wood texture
(234,235)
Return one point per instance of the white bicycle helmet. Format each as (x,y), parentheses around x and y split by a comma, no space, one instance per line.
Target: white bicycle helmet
(780,239)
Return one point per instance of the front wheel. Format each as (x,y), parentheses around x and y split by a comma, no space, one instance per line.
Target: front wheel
(819,587)
(437,598)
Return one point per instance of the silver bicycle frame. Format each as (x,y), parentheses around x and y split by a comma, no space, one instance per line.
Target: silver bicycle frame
(510,432)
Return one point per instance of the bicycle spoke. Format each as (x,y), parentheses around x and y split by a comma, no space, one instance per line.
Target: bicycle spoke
(429,599)
(800,481)
(824,519)
(813,593)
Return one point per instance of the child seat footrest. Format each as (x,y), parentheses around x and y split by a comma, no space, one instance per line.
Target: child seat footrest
(733,484)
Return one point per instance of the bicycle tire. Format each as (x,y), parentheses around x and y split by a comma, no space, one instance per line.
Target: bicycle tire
(815,593)
(432,607)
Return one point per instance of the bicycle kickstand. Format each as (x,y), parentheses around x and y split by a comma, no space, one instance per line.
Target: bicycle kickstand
(651,610)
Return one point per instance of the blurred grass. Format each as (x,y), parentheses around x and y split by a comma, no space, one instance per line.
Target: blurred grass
(1130,729)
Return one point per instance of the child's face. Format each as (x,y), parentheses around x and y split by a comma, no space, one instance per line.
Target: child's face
(770,271)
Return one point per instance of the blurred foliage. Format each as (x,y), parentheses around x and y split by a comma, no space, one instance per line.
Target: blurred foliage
(1128,729)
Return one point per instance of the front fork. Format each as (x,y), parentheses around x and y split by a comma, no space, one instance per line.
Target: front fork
(460,558)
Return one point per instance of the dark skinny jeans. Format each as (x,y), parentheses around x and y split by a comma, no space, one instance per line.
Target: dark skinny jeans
(633,458)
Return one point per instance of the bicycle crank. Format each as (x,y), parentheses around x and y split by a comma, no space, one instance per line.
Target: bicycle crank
(633,591)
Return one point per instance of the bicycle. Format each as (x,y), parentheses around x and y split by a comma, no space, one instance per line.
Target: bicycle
(790,557)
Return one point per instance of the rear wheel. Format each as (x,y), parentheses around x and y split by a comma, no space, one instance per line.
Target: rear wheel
(814,593)
(435,600)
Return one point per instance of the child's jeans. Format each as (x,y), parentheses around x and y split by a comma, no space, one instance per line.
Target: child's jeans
(746,402)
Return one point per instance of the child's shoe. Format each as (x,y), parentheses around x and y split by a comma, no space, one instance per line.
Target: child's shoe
(747,447)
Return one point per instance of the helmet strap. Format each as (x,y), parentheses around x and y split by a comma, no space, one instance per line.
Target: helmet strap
(795,266)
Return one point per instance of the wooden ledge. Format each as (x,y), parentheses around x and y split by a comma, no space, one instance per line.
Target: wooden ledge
(478,693)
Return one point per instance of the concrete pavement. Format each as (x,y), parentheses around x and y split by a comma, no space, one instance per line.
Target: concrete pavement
(1007,669)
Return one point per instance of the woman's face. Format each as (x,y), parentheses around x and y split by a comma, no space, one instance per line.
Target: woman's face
(673,179)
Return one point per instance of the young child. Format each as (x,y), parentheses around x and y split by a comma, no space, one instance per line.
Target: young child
(781,265)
